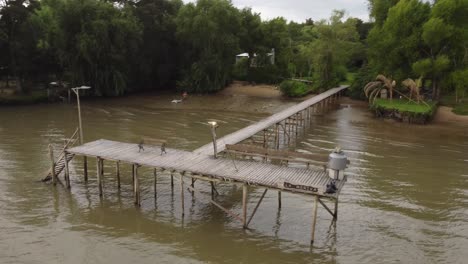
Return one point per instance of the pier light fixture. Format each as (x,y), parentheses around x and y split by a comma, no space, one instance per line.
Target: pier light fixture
(214,125)
(76,90)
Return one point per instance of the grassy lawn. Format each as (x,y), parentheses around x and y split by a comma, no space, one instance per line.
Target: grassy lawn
(404,106)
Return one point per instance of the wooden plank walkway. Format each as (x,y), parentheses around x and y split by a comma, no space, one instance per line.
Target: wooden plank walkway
(259,126)
(251,172)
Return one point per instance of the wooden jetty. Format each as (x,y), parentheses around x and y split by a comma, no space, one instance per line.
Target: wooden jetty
(257,155)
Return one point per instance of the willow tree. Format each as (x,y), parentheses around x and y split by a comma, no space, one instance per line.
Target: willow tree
(208,34)
(92,40)
(337,40)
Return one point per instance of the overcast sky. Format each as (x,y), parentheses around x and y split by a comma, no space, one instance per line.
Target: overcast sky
(300,10)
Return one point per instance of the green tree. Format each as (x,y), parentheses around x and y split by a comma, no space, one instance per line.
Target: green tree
(445,37)
(16,40)
(396,45)
(92,40)
(156,63)
(208,34)
(379,10)
(337,41)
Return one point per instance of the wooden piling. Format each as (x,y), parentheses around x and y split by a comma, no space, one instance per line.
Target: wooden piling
(212,189)
(117,172)
(137,185)
(52,165)
(67,171)
(155,182)
(335,213)
(102,167)
(99,175)
(182,200)
(314,220)
(244,205)
(279,199)
(172,182)
(85,168)
(133,177)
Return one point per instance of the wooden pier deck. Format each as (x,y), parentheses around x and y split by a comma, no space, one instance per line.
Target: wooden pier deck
(263,124)
(203,163)
(251,172)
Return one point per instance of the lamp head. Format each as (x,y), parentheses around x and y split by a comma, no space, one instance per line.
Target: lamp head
(213,124)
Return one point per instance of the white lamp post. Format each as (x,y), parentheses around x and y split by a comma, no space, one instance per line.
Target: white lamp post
(76,90)
(214,125)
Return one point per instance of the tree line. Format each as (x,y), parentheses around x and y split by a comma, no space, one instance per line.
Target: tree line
(123,46)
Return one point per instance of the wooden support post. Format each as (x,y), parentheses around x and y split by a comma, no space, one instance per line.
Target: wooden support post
(52,167)
(335,214)
(182,200)
(137,185)
(67,171)
(99,175)
(244,205)
(133,177)
(85,168)
(102,167)
(212,189)
(155,182)
(256,207)
(172,182)
(314,220)
(279,199)
(117,172)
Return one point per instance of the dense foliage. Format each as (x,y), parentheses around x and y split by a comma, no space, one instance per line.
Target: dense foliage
(122,46)
(295,88)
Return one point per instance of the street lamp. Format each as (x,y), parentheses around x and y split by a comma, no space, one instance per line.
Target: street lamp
(214,125)
(76,90)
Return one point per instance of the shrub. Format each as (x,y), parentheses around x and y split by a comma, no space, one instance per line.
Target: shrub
(294,88)
(240,70)
(269,74)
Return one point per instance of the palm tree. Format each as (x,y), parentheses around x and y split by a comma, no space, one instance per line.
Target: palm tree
(372,89)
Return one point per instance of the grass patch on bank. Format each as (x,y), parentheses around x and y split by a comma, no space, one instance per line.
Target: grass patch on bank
(22,99)
(404,106)
(404,110)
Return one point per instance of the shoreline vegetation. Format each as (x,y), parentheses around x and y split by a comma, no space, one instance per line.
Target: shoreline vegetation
(404,110)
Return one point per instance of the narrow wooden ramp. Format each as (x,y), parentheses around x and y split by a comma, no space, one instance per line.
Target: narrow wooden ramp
(253,129)
(298,180)
(60,165)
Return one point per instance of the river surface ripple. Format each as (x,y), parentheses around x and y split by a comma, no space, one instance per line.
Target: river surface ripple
(406,199)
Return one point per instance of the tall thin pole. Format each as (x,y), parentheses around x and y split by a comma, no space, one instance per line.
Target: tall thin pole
(314,220)
(244,205)
(80,128)
(213,134)
(79,115)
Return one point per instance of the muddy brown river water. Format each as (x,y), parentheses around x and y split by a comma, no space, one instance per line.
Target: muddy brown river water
(406,199)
